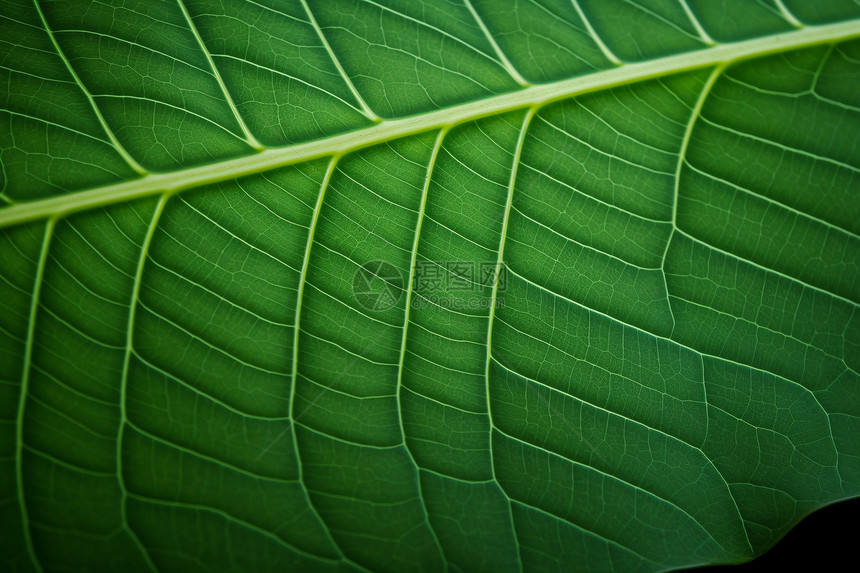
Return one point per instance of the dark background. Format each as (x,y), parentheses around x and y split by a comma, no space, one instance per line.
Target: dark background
(826,540)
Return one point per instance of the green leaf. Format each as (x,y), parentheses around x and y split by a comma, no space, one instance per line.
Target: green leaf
(397,285)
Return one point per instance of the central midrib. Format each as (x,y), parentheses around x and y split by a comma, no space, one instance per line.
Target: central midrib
(171,182)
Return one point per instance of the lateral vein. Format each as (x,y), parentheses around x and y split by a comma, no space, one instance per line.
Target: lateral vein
(123,152)
(249,137)
(365,109)
(22,400)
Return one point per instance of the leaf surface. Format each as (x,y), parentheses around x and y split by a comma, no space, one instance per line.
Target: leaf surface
(442,286)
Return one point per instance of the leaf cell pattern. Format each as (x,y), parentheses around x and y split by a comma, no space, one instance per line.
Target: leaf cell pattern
(667,377)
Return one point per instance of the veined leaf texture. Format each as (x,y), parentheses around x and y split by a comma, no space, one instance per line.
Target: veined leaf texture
(440,285)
